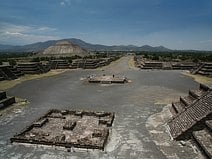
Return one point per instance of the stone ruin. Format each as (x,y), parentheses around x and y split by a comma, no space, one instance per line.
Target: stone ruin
(142,63)
(192,119)
(59,64)
(107,79)
(91,63)
(5,101)
(69,129)
(8,72)
(33,67)
(204,69)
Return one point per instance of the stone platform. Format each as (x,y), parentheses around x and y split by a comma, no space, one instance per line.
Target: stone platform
(107,79)
(5,101)
(79,129)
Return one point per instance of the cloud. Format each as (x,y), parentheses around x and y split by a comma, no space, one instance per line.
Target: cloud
(23,34)
(69,2)
(65,2)
(206,41)
(62,3)
(44,28)
(14,33)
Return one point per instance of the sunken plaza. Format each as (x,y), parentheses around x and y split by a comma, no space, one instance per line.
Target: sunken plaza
(115,111)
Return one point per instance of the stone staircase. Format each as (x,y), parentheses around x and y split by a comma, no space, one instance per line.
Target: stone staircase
(31,68)
(15,71)
(192,119)
(204,69)
(91,63)
(59,64)
(183,66)
(8,72)
(192,97)
(203,139)
(152,65)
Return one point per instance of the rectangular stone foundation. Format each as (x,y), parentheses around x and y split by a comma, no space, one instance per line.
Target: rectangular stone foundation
(107,79)
(79,129)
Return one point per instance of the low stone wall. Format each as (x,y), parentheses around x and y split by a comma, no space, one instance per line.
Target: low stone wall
(5,101)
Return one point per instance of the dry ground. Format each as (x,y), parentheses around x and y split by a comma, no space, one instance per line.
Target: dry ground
(11,83)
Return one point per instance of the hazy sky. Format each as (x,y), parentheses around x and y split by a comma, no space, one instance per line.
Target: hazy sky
(176,24)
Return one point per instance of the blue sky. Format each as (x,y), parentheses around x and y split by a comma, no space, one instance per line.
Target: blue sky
(176,24)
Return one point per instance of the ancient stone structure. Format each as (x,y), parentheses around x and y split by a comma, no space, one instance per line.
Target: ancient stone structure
(15,71)
(144,64)
(107,79)
(9,72)
(152,65)
(91,63)
(192,116)
(64,48)
(5,101)
(85,63)
(59,64)
(33,68)
(183,65)
(204,69)
(77,129)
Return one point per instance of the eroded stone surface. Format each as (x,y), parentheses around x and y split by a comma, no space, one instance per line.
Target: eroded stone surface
(80,129)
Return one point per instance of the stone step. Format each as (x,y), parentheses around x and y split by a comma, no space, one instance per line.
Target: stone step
(204,87)
(204,73)
(18,74)
(203,139)
(187,100)
(173,111)
(209,125)
(2,78)
(196,93)
(180,124)
(178,106)
(3,95)
(6,102)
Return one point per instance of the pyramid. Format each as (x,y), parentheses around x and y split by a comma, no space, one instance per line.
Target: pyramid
(64,48)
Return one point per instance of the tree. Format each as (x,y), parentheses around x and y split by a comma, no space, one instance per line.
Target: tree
(12,62)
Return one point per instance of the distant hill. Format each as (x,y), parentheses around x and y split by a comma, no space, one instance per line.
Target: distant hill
(65,48)
(40,46)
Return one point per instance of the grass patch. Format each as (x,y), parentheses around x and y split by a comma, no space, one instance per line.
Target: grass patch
(199,78)
(11,83)
(131,63)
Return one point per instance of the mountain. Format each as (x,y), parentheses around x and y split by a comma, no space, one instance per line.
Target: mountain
(40,46)
(150,48)
(64,47)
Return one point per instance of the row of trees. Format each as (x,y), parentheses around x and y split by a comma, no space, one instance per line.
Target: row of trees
(12,58)
(158,56)
(176,56)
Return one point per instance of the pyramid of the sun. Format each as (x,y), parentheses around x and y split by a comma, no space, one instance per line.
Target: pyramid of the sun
(64,48)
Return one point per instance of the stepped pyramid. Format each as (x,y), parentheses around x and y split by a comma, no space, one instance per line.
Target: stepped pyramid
(8,72)
(204,69)
(64,48)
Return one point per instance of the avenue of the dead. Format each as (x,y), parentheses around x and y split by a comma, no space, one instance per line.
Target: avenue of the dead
(138,129)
